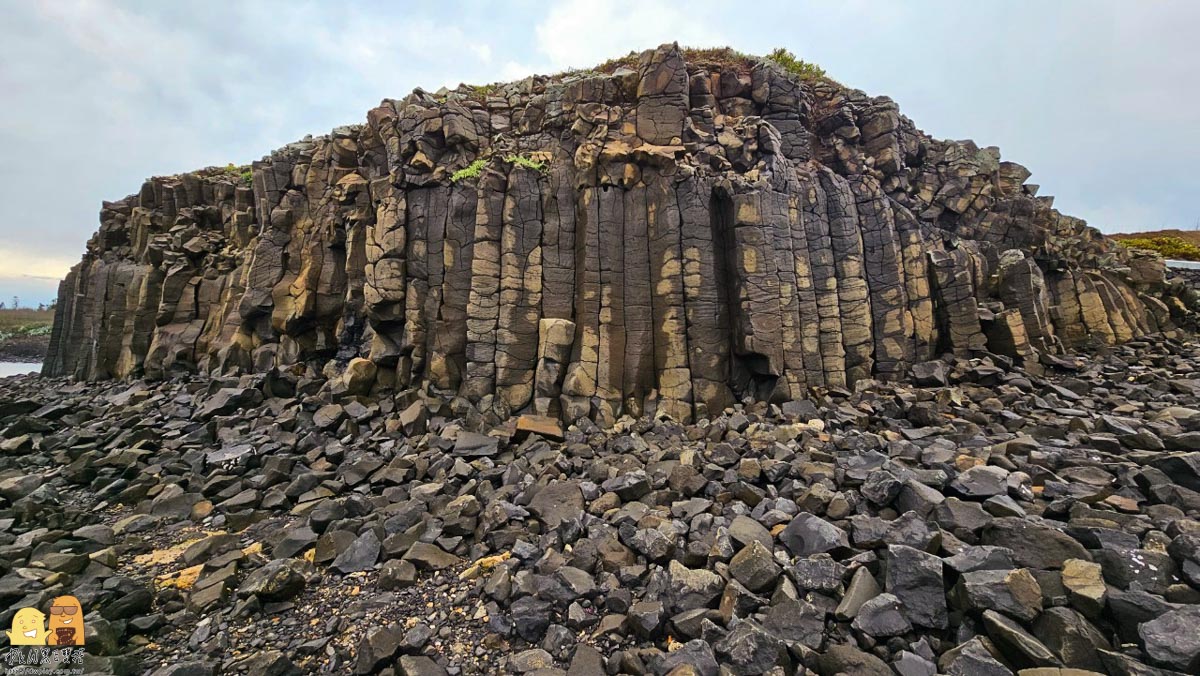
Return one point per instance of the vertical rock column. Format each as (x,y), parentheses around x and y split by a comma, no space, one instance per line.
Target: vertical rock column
(483,302)
(662,93)
(672,367)
(704,297)
(755,313)
(854,301)
(555,338)
(914,247)
(639,376)
(890,317)
(421,218)
(386,271)
(520,289)
(610,347)
(579,384)
(956,301)
(447,342)
(1065,311)
(825,279)
(1023,288)
(778,207)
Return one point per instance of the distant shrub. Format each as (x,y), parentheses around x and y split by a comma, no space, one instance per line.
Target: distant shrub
(247,176)
(472,170)
(26,330)
(1167,247)
(799,67)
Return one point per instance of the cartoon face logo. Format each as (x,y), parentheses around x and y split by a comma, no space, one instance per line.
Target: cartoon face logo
(66,622)
(28,628)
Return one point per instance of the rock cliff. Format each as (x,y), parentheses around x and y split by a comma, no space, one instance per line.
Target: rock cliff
(667,234)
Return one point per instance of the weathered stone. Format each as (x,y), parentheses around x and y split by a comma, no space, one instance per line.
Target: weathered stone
(754,567)
(1034,544)
(862,588)
(1072,638)
(1084,583)
(360,555)
(844,659)
(1012,592)
(1171,640)
(556,502)
(808,534)
(748,649)
(276,581)
(916,579)
(1025,650)
(882,617)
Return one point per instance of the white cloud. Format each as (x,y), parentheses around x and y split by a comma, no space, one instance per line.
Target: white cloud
(99,94)
(582,33)
(45,267)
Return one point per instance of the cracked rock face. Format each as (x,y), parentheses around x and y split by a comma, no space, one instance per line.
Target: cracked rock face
(665,239)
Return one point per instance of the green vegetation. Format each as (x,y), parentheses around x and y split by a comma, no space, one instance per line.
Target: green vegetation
(27,330)
(799,67)
(472,170)
(527,162)
(724,55)
(1168,247)
(25,322)
(233,171)
(481,92)
(630,60)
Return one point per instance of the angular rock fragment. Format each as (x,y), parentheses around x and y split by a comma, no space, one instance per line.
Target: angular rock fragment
(916,579)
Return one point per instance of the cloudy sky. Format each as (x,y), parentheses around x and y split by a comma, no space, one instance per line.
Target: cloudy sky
(1098,98)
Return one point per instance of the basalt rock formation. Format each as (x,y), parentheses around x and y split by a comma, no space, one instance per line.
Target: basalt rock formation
(670,236)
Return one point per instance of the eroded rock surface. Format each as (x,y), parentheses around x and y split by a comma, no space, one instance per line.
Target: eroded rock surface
(671,236)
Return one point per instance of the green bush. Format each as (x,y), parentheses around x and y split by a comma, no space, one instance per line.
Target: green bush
(481,92)
(799,67)
(472,170)
(247,176)
(527,162)
(1167,247)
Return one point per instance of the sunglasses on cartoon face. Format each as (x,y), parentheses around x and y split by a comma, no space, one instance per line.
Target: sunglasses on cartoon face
(63,610)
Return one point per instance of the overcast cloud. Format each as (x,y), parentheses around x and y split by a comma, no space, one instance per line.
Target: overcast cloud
(1098,98)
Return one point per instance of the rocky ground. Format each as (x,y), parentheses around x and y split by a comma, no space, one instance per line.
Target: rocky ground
(989,520)
(28,349)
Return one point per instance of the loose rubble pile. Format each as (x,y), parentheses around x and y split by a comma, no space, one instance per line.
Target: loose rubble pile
(992,520)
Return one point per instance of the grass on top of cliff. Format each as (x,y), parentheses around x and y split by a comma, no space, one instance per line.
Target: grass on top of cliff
(798,67)
(25,322)
(1180,245)
(724,56)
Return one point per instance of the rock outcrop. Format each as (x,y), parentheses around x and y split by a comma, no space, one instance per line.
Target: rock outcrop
(667,237)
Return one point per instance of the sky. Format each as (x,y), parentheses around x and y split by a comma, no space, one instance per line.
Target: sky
(1098,98)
